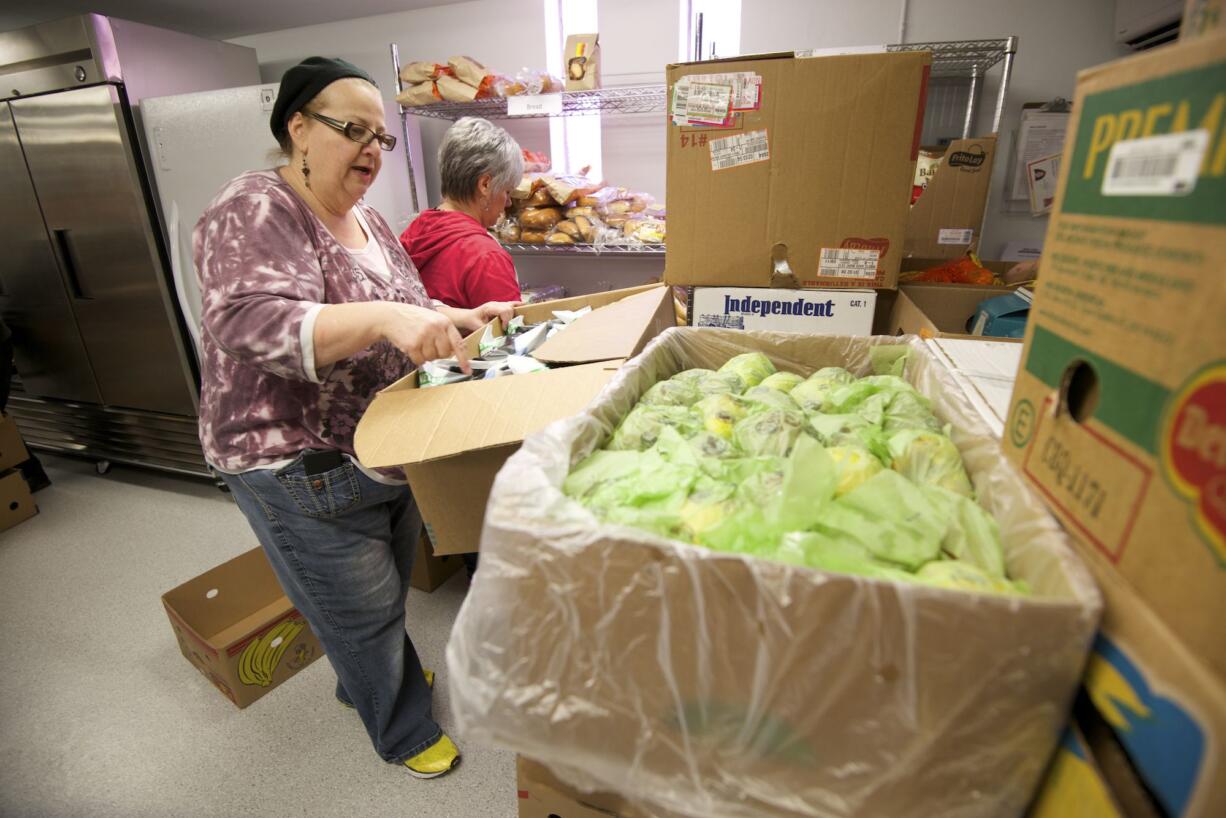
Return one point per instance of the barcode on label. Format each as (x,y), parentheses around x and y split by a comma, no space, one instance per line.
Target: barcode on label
(742,149)
(843,262)
(953,235)
(1144,166)
(1165,165)
(708,103)
(721,321)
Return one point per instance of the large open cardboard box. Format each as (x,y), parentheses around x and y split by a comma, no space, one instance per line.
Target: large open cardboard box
(817,171)
(947,219)
(713,683)
(452,440)
(1119,412)
(234,608)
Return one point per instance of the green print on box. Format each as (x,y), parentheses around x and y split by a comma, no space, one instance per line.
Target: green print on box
(1181,102)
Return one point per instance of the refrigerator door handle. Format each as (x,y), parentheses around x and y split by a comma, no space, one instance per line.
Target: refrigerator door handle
(68,264)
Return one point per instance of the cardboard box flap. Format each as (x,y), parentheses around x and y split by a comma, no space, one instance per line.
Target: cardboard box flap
(418,425)
(544,310)
(612,331)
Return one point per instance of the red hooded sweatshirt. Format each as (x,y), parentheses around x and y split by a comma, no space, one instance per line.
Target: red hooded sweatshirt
(460,263)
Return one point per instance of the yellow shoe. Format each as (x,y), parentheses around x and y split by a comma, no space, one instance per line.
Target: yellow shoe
(439,758)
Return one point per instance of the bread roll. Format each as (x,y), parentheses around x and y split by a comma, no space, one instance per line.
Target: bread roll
(587,230)
(559,238)
(540,218)
(617,220)
(541,198)
(532,236)
(569,228)
(580,211)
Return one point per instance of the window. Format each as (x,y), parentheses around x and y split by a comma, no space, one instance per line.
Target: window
(574,141)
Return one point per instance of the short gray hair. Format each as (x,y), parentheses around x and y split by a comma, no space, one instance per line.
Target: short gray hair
(472,148)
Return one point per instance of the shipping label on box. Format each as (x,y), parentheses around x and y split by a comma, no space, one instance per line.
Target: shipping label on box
(826,312)
(1119,414)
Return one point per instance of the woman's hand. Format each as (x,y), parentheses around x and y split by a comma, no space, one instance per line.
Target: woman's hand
(421,333)
(474,319)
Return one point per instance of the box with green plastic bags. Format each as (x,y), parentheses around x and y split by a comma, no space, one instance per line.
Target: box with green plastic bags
(784,649)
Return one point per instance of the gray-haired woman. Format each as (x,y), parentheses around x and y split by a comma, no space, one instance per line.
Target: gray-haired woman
(460,263)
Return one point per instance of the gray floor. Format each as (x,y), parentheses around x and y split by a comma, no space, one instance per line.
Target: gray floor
(100,715)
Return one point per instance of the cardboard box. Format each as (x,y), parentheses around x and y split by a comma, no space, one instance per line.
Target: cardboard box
(429,569)
(12,448)
(1167,708)
(16,503)
(235,624)
(1201,18)
(934,310)
(947,218)
(812,165)
(1119,413)
(452,439)
(824,312)
(581,62)
(1074,786)
(720,684)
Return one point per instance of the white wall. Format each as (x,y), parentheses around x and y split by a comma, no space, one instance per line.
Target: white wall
(1056,39)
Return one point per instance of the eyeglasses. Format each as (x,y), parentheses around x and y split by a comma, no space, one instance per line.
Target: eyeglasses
(358,133)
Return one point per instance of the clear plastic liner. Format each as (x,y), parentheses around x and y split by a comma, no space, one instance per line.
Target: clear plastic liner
(716,685)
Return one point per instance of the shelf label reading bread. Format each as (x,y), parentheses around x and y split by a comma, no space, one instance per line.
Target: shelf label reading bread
(955,235)
(745,95)
(539,105)
(708,104)
(843,262)
(742,149)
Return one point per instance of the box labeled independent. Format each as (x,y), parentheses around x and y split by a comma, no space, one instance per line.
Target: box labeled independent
(825,312)
(1119,412)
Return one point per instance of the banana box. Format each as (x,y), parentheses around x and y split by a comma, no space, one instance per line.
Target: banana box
(237,627)
(1118,415)
(1074,785)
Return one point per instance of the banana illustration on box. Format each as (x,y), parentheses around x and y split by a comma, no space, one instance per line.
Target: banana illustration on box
(260,658)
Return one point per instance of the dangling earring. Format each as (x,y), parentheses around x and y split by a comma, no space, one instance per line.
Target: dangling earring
(306,172)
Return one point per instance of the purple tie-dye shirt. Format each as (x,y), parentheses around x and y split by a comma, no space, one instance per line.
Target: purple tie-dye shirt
(266,266)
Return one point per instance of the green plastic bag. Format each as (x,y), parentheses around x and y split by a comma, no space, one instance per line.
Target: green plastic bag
(694,376)
(973,535)
(719,414)
(769,432)
(752,367)
(855,466)
(963,576)
(909,410)
(763,397)
(721,383)
(782,381)
(930,457)
(812,393)
(641,428)
(890,517)
(671,393)
(818,551)
(889,360)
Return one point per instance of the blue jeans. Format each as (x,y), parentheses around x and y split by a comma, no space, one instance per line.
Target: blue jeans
(342,546)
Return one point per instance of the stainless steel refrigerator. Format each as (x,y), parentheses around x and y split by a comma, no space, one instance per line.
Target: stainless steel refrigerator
(106,368)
